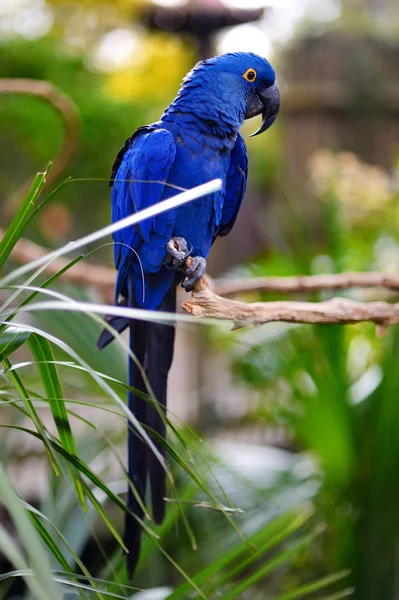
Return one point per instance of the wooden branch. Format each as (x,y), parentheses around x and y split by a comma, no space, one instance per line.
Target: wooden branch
(103,278)
(206,299)
(205,303)
(304,283)
(70,118)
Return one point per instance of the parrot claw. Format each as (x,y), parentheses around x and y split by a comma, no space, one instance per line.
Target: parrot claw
(177,249)
(194,273)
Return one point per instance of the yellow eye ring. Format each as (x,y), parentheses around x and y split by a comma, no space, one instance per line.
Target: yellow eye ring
(250,75)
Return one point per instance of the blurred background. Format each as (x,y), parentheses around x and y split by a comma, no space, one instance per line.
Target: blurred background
(290,415)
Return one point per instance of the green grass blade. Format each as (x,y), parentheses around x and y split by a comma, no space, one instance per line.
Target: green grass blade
(10,340)
(97,580)
(44,285)
(47,199)
(105,518)
(20,388)
(236,553)
(51,545)
(43,355)
(269,567)
(184,465)
(78,464)
(315,586)
(339,595)
(19,222)
(171,203)
(270,543)
(39,515)
(49,542)
(189,580)
(41,584)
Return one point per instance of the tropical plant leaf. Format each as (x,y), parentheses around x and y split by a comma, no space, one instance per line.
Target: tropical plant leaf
(10,340)
(20,220)
(315,586)
(20,388)
(41,584)
(43,355)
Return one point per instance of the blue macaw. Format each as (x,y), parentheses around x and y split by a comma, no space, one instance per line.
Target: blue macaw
(196,140)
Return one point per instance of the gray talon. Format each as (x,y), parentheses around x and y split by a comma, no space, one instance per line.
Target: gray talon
(194,273)
(178,250)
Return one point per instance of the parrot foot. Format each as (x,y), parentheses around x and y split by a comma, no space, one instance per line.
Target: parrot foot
(194,273)
(177,249)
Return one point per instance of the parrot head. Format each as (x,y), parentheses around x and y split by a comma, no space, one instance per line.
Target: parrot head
(233,87)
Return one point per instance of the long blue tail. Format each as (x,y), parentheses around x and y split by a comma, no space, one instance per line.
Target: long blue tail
(152,345)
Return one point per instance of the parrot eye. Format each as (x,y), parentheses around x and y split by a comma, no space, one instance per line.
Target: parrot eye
(250,75)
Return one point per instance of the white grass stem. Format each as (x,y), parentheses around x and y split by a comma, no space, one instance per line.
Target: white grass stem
(188,196)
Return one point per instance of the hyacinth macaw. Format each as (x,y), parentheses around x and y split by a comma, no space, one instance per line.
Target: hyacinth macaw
(196,140)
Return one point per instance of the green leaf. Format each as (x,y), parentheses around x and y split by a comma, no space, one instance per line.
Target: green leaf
(53,546)
(41,585)
(19,222)
(78,464)
(105,518)
(271,542)
(11,339)
(339,595)
(43,354)
(269,567)
(20,388)
(238,552)
(44,285)
(308,588)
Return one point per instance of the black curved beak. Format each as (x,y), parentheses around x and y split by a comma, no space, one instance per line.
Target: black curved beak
(266,102)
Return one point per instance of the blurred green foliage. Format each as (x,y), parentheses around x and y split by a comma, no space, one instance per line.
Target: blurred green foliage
(333,390)
(32,131)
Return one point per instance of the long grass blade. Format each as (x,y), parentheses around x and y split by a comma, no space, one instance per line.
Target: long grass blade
(10,340)
(19,222)
(270,543)
(269,567)
(54,547)
(178,200)
(236,553)
(37,290)
(44,358)
(20,388)
(315,586)
(42,584)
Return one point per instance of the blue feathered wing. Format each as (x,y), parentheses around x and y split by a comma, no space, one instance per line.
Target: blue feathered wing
(236,182)
(140,176)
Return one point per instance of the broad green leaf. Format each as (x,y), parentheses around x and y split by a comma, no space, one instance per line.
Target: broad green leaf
(11,339)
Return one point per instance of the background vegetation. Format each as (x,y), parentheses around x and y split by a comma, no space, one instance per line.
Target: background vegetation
(284,453)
